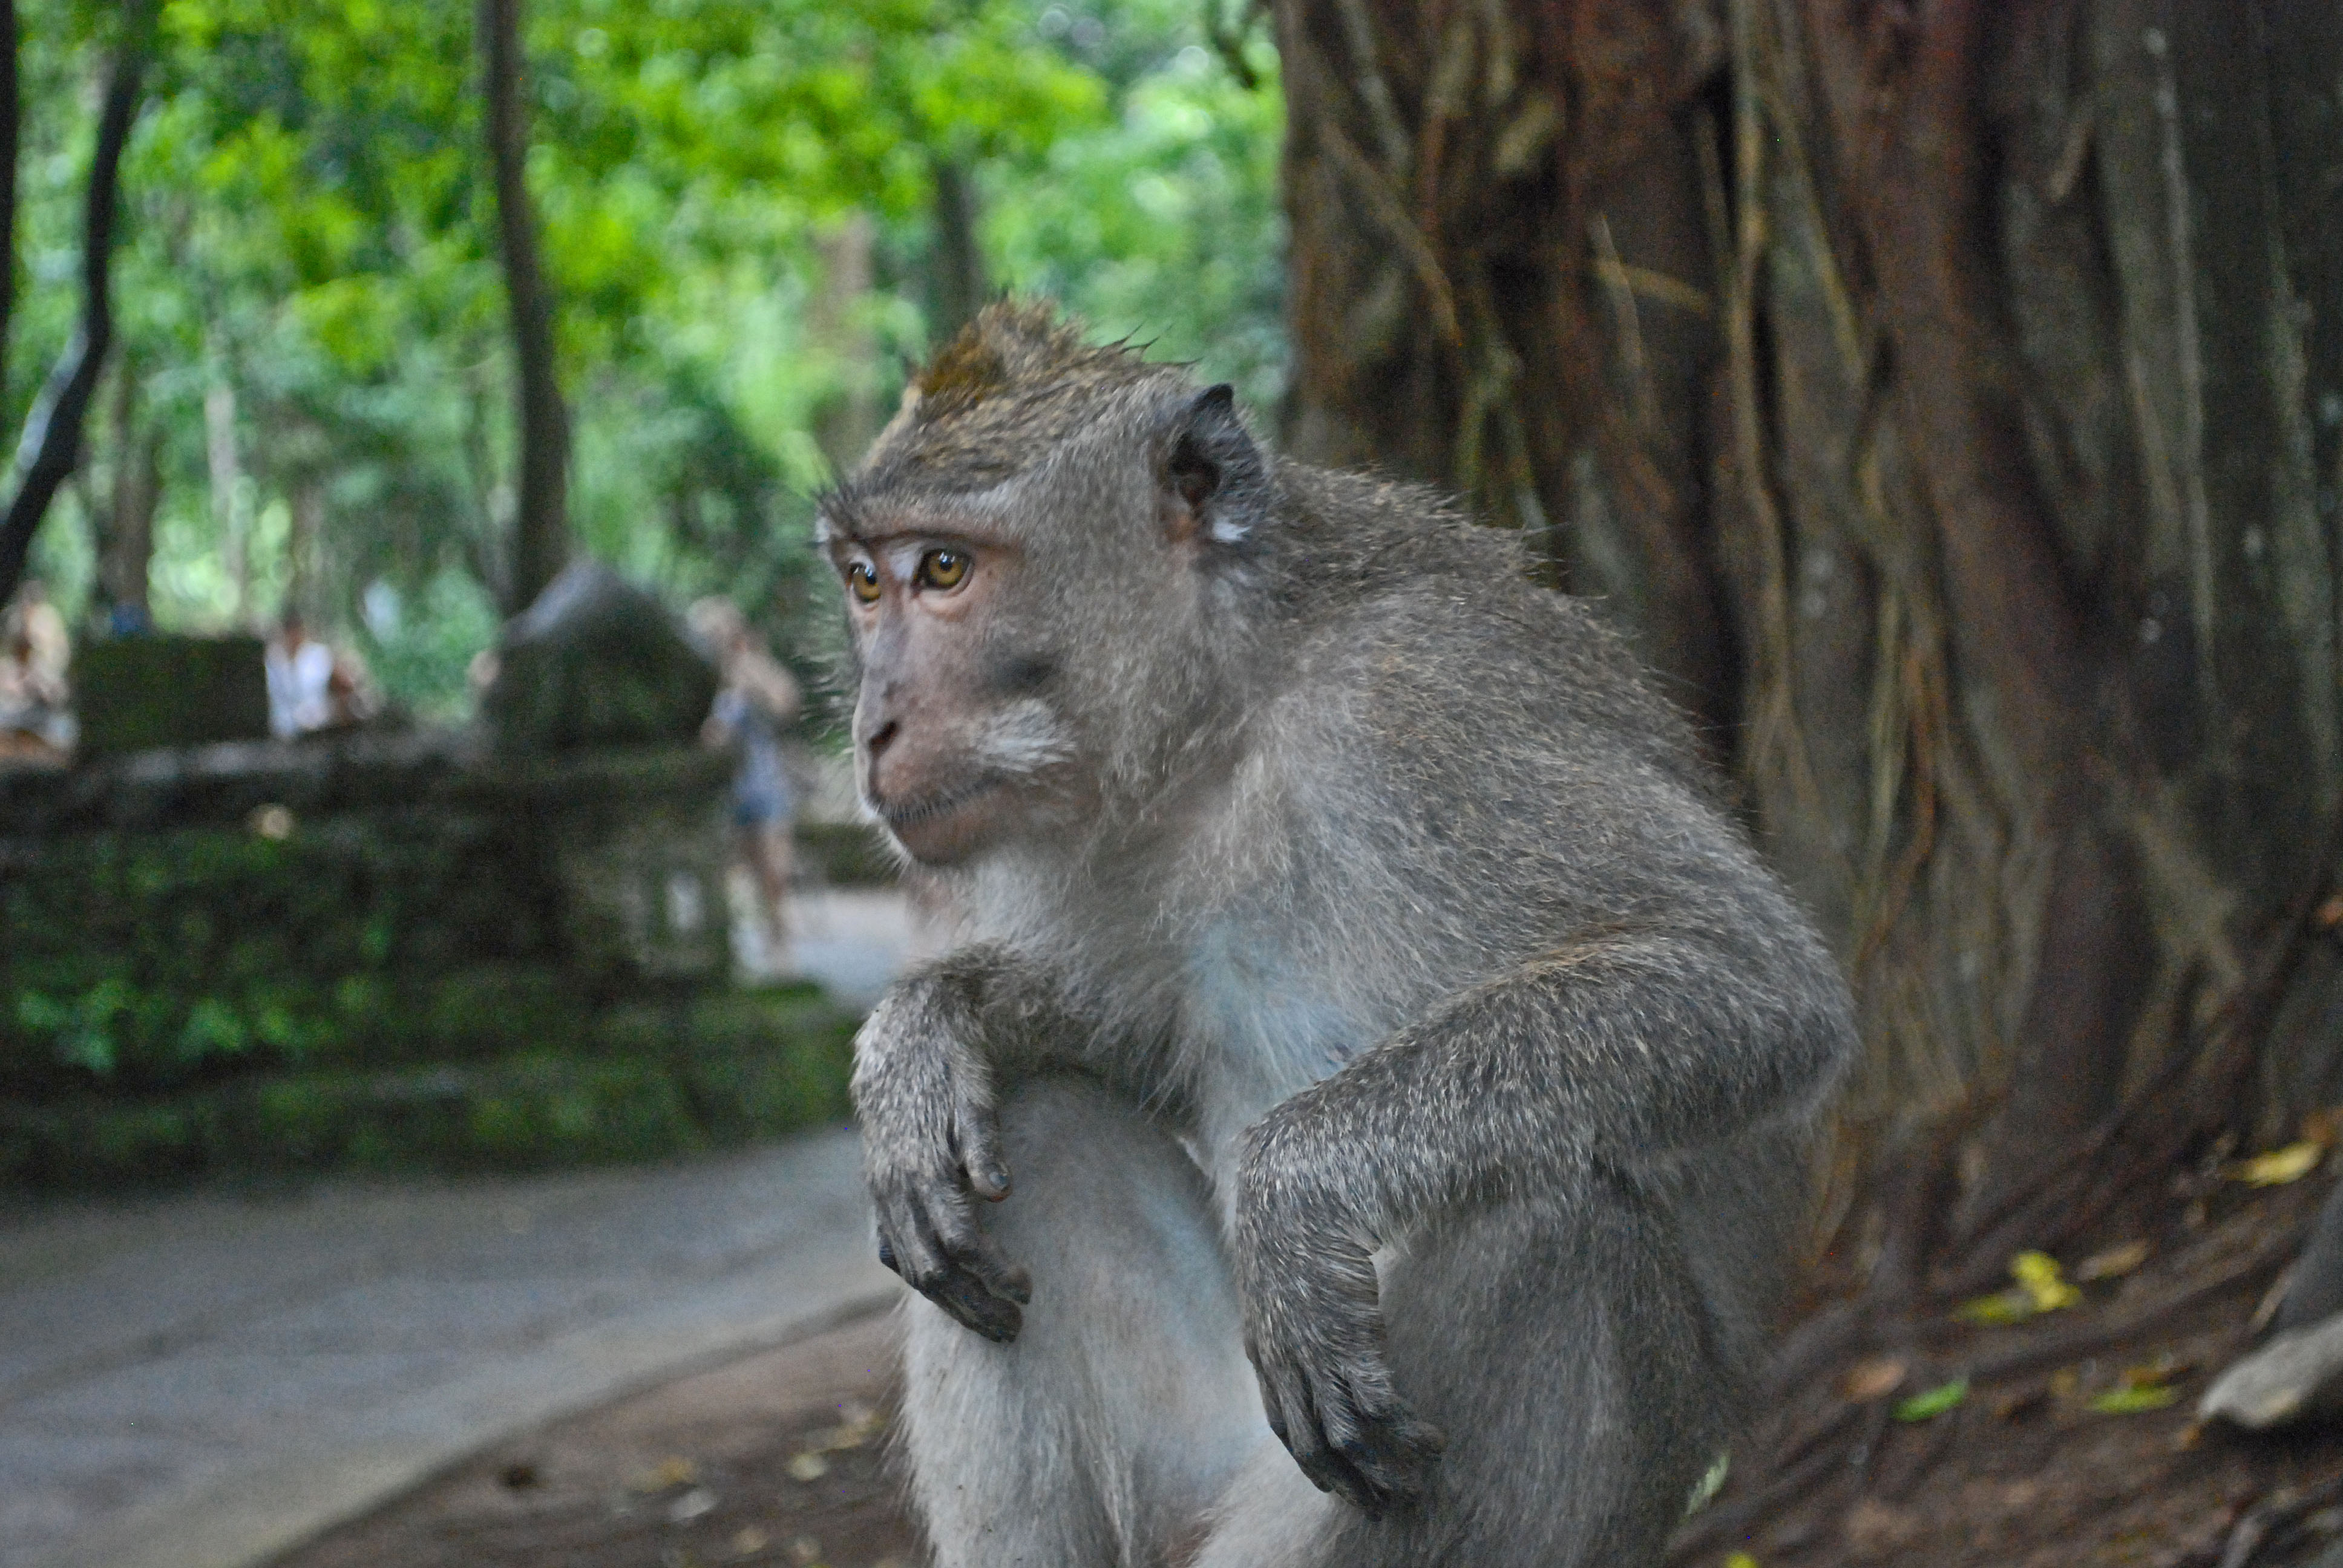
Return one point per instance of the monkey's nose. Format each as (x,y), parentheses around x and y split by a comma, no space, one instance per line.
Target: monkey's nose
(880,737)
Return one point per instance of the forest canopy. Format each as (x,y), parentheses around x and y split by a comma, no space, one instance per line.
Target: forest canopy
(752,217)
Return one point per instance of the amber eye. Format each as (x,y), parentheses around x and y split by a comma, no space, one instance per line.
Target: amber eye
(942,569)
(864,581)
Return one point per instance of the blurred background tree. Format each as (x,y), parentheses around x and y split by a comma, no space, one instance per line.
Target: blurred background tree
(753,216)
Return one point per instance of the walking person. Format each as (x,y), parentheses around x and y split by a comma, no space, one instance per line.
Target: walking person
(756,698)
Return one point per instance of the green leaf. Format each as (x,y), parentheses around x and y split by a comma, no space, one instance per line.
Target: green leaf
(2130,1398)
(1933,1402)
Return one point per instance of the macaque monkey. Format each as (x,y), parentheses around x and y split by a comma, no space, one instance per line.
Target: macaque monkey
(1363,1125)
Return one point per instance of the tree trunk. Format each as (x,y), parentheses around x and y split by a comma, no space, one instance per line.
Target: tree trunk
(50,447)
(1943,397)
(10,118)
(126,547)
(541,517)
(848,418)
(956,285)
(224,469)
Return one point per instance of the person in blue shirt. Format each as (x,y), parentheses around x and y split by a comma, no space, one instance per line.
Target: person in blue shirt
(756,699)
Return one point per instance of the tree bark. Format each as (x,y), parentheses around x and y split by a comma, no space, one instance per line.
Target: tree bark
(127,548)
(1938,393)
(11,119)
(541,516)
(50,446)
(956,285)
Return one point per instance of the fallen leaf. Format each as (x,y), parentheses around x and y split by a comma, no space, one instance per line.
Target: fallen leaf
(2113,1263)
(2281,1166)
(749,1541)
(1874,1379)
(691,1506)
(806,1549)
(2329,914)
(2001,1307)
(2037,1275)
(2189,1437)
(809,1466)
(1740,1560)
(1935,1402)
(2128,1399)
(859,1424)
(674,1471)
(2324,1127)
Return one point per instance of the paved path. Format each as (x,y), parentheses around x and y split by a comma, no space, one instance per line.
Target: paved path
(203,1379)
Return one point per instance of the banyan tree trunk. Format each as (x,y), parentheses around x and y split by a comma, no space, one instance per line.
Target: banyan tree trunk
(1947,394)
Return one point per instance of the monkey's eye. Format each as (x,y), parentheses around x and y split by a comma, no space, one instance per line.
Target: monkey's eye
(863,581)
(942,570)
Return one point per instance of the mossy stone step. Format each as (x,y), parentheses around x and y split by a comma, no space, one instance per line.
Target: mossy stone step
(650,1078)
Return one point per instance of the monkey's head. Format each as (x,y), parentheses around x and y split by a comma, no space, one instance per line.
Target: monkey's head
(1044,557)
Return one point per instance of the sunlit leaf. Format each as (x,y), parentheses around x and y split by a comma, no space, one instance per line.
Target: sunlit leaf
(2128,1399)
(2037,1275)
(2281,1166)
(1934,1403)
(2113,1263)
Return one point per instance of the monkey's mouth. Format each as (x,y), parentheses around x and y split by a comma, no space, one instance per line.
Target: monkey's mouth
(909,815)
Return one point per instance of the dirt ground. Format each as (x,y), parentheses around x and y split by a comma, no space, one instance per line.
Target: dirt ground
(781,1458)
(778,1458)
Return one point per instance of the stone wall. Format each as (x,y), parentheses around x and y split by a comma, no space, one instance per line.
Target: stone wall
(380,948)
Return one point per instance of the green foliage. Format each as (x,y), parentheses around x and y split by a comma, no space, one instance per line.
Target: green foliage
(152,961)
(630,1084)
(307,228)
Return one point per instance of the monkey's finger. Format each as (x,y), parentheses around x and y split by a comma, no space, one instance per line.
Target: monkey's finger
(1345,1459)
(977,1131)
(976,1307)
(939,1268)
(966,1247)
(1301,1428)
(1392,1458)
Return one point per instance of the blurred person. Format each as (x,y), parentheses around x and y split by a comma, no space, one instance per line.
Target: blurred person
(301,681)
(756,698)
(351,696)
(35,651)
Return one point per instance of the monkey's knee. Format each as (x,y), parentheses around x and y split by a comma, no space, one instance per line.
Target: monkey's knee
(1124,1404)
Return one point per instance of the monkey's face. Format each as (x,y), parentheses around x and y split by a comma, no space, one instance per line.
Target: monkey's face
(956,744)
(1039,654)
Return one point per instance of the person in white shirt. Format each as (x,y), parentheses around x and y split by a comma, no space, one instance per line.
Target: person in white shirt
(300,681)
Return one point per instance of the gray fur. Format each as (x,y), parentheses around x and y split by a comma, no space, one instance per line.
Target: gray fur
(1372,881)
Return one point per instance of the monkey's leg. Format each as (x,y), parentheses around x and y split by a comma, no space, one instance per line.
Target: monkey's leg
(1102,1432)
(1570,1361)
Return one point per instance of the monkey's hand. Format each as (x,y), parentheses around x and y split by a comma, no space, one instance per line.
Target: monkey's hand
(1314,1333)
(931,1144)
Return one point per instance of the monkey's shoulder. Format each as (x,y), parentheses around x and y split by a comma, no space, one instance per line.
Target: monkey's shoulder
(1461,671)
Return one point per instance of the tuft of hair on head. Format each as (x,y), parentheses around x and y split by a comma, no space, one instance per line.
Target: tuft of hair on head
(1015,380)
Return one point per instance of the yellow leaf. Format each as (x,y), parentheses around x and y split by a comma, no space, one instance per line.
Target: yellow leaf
(2113,1263)
(2002,1306)
(2281,1166)
(2037,1275)
(1740,1560)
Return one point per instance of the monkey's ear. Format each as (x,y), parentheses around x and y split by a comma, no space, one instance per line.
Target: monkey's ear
(1214,472)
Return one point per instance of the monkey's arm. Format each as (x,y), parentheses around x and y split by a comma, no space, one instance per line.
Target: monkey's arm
(1603,1052)
(929,1063)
